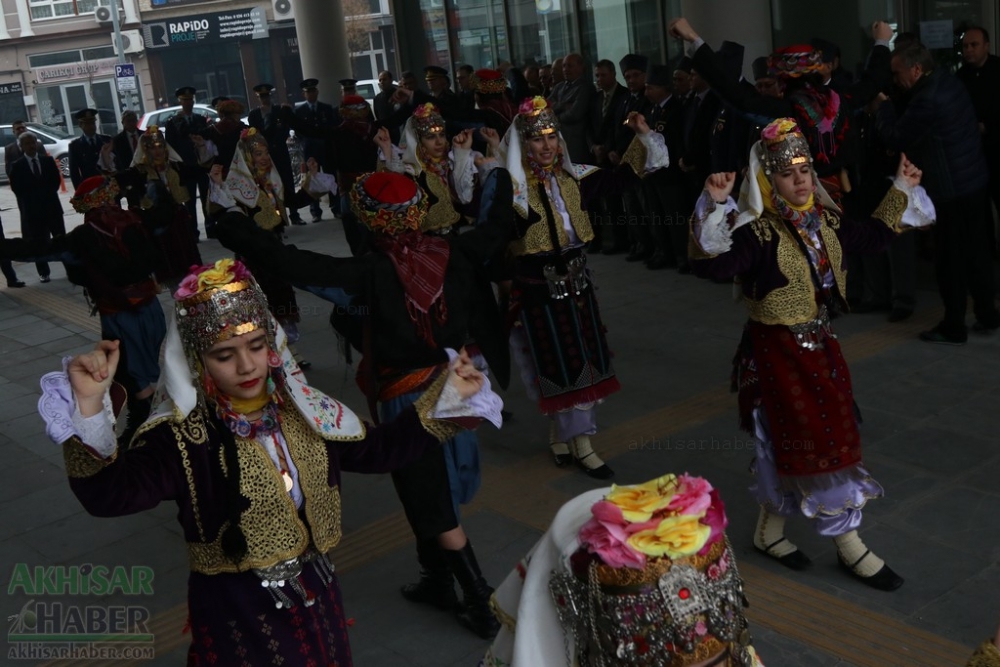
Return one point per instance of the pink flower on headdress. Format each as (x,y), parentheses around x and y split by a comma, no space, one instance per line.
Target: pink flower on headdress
(532,104)
(605,535)
(778,128)
(209,276)
(692,496)
(425,110)
(247,133)
(715,518)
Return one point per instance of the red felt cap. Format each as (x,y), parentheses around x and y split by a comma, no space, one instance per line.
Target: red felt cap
(488,74)
(351,100)
(89,185)
(390,188)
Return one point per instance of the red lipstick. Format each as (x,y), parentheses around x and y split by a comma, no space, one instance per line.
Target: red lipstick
(250,383)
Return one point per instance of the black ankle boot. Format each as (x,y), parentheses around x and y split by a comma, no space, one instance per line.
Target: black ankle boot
(436,586)
(475,612)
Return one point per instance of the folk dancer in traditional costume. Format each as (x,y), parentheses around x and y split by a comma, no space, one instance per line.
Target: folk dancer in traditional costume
(253,190)
(566,368)
(416,294)
(253,457)
(786,242)
(154,183)
(627,576)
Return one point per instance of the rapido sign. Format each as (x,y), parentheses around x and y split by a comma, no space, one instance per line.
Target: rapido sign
(238,24)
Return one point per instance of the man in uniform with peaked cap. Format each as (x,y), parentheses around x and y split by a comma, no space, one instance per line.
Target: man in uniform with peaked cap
(320,115)
(178,134)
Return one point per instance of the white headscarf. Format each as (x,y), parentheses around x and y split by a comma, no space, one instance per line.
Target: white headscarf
(177,394)
(240,183)
(139,156)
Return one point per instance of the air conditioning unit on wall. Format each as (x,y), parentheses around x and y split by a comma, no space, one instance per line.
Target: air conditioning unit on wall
(102,14)
(283,10)
(132,41)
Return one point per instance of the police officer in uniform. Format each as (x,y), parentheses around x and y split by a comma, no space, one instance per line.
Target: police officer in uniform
(85,150)
(179,131)
(320,115)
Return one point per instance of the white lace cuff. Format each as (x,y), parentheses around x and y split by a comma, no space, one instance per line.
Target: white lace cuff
(207,152)
(657,155)
(393,162)
(484,404)
(710,225)
(463,176)
(920,210)
(320,183)
(58,408)
(219,195)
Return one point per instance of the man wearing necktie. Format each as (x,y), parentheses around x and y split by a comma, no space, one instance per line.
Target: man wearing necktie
(320,115)
(123,148)
(180,128)
(34,178)
(85,150)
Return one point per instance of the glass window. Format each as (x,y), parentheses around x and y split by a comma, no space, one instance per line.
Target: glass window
(49,59)
(48,9)
(436,29)
(541,30)
(478,36)
(98,53)
(605,22)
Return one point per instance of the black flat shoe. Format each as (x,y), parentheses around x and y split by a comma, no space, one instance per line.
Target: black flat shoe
(795,560)
(600,472)
(883,580)
(935,336)
(561,459)
(16,284)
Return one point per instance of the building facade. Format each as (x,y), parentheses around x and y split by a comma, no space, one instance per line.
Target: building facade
(484,33)
(57,58)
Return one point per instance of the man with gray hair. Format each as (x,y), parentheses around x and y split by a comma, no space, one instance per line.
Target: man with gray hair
(939,133)
(34,178)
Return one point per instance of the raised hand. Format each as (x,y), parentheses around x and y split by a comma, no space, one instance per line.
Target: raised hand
(91,374)
(681,29)
(881,31)
(462,140)
(464,377)
(382,138)
(637,122)
(908,171)
(719,185)
(490,136)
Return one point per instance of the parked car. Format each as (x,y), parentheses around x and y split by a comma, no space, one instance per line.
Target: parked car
(161,116)
(55,141)
(368,89)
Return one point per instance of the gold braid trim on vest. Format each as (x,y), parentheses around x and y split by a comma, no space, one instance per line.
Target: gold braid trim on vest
(273,529)
(987,655)
(179,193)
(890,210)
(536,238)
(794,303)
(442,213)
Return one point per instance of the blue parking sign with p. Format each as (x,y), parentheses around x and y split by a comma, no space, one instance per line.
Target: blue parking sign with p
(126,70)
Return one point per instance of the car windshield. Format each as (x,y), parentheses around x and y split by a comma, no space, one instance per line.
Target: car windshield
(48,129)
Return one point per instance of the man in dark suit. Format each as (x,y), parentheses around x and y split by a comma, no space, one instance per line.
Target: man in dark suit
(125,142)
(442,96)
(34,178)
(272,123)
(571,100)
(384,107)
(12,151)
(610,95)
(664,188)
(633,67)
(85,150)
(180,128)
(320,115)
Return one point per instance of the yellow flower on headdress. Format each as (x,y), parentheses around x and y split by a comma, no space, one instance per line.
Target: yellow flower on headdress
(779,128)
(640,502)
(425,110)
(152,129)
(539,102)
(675,537)
(222,273)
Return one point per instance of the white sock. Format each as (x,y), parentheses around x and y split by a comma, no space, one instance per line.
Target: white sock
(557,447)
(851,549)
(584,453)
(770,533)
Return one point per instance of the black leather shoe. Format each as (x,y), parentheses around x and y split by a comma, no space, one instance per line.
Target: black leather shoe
(560,457)
(436,586)
(883,580)
(298,222)
(935,335)
(45,279)
(15,284)
(795,560)
(600,472)
(900,314)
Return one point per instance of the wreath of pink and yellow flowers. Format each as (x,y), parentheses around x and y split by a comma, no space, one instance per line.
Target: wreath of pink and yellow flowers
(671,516)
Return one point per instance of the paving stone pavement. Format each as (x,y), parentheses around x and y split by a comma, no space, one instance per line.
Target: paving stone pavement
(930,438)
